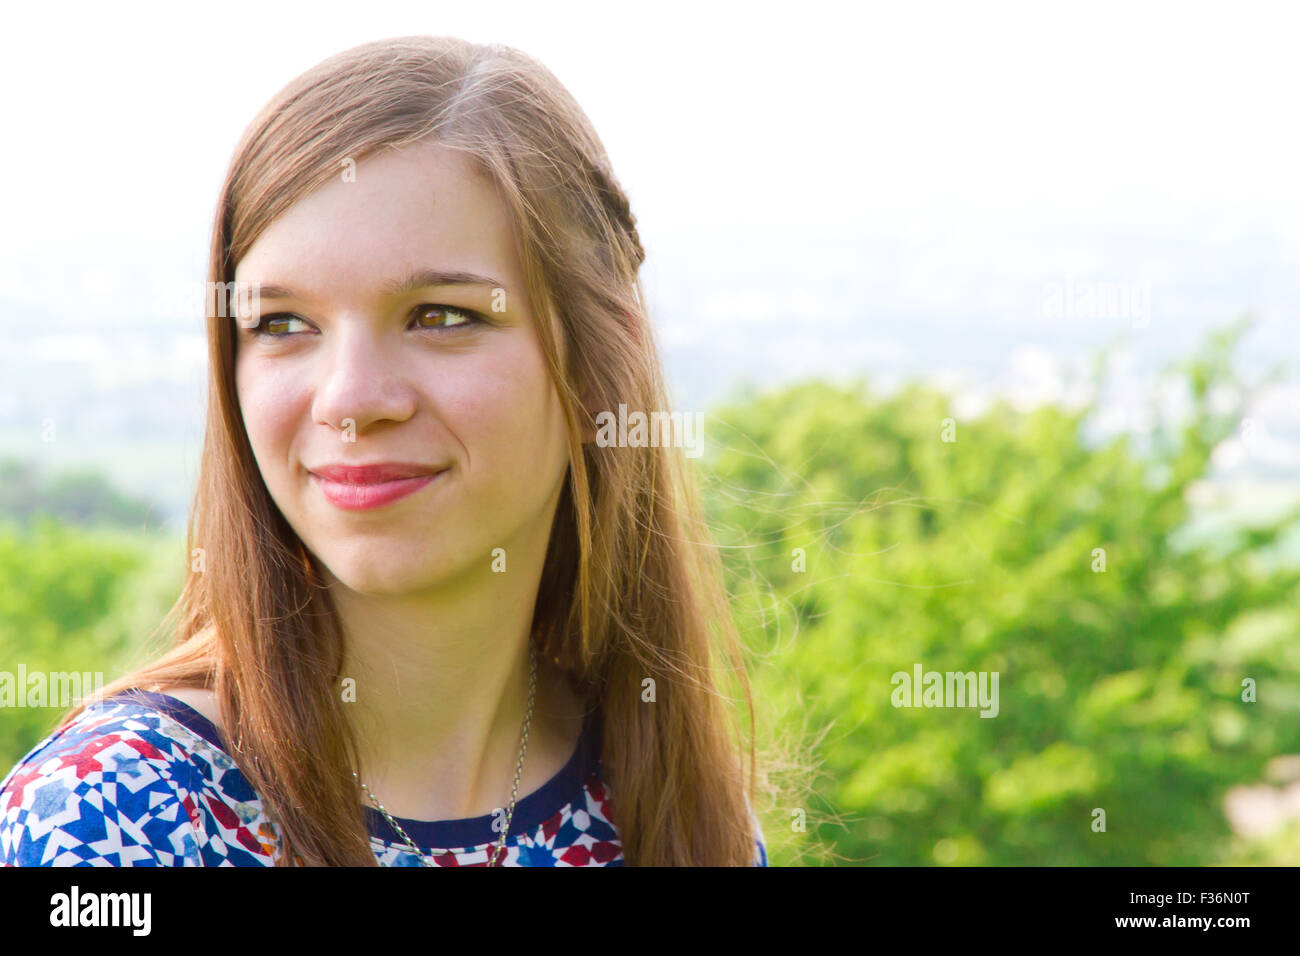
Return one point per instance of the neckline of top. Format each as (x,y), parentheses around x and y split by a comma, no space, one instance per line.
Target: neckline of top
(531,810)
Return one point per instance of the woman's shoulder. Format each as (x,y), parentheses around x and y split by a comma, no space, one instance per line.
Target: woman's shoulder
(199,699)
(139,779)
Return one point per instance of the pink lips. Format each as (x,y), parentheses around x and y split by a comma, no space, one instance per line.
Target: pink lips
(361,487)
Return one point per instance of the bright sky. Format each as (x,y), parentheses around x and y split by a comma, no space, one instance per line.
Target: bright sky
(976,153)
(876,117)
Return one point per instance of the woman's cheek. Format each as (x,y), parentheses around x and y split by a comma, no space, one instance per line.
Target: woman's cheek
(492,408)
(268,408)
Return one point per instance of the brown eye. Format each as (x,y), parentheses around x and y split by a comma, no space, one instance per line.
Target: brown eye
(280,325)
(274,326)
(442,316)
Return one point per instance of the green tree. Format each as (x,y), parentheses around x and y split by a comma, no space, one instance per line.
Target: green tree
(1121,689)
(76,600)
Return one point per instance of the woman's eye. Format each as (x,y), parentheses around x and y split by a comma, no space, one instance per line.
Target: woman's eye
(279,325)
(274,325)
(443,316)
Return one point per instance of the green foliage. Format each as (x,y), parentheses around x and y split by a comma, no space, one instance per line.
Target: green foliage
(79,600)
(1119,689)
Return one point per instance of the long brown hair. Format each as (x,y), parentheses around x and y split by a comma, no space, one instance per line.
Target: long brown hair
(631,589)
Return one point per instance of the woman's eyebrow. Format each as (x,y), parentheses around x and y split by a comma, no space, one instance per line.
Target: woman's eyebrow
(396,287)
(428,277)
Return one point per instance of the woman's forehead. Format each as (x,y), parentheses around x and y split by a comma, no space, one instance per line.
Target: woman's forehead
(423,207)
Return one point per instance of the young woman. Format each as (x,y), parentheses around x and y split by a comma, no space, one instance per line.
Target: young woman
(430,619)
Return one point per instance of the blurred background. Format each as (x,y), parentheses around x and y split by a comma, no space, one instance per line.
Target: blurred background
(965,294)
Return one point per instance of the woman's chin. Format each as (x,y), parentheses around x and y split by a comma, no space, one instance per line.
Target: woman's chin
(392,575)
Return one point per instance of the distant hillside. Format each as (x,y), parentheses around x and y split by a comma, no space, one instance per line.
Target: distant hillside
(82,497)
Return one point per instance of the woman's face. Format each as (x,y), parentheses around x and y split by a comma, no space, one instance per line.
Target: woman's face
(357,366)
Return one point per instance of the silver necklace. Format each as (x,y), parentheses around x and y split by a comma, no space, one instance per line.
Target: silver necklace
(495,853)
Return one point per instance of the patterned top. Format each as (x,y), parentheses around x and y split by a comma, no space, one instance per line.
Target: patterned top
(143,779)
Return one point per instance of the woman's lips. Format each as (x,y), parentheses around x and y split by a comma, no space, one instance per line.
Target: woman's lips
(361,497)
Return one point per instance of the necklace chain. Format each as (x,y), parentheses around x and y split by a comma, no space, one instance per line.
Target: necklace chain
(497,852)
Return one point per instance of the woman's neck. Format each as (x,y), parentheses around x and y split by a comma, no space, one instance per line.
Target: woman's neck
(436,687)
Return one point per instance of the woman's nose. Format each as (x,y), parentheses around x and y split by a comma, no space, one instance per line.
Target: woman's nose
(361,380)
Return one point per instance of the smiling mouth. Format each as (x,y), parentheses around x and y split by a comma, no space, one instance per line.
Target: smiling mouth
(354,496)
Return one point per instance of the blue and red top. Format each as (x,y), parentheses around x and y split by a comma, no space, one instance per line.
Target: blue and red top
(143,779)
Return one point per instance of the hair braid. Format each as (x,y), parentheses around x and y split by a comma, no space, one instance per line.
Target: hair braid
(616,203)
